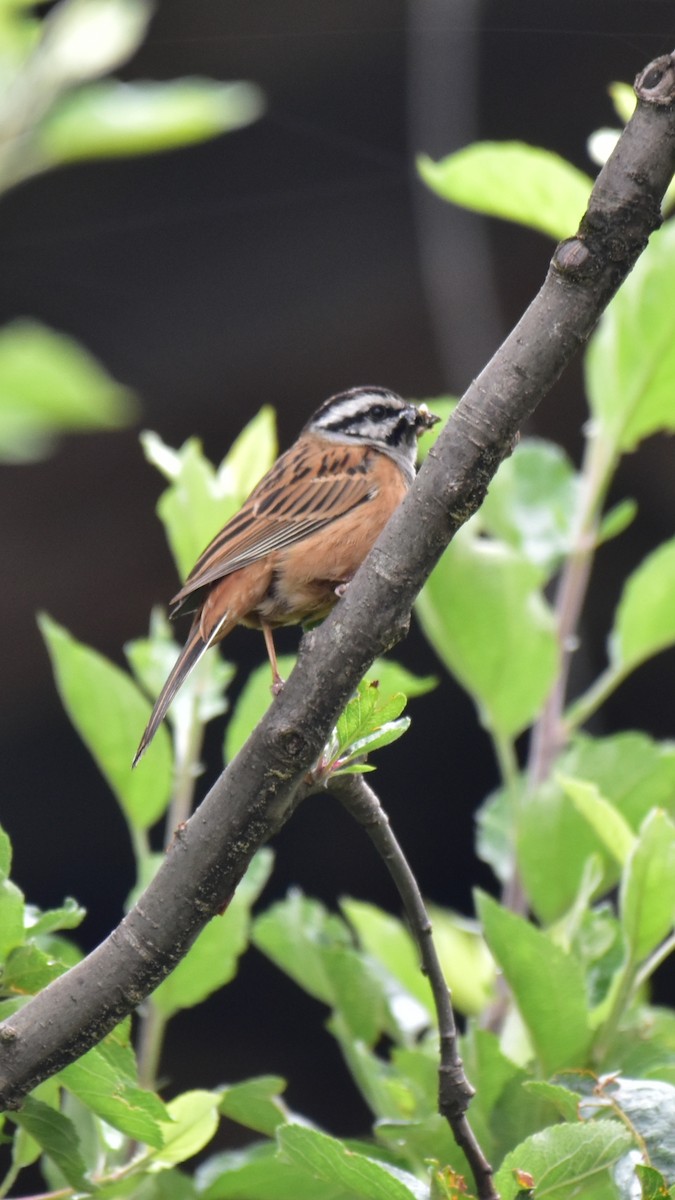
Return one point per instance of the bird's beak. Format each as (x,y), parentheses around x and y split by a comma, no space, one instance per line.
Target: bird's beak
(424,419)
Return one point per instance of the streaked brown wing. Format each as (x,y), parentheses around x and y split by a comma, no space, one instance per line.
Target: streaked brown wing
(308,488)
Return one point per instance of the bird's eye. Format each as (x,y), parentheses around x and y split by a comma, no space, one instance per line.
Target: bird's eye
(378,412)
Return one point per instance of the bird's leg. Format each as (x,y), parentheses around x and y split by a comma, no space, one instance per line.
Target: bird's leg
(277,681)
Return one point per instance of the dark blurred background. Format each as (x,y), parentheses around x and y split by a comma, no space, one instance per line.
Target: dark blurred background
(278,265)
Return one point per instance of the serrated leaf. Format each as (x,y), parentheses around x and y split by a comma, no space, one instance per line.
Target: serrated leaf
(330,1160)
(648,1106)
(193,1122)
(109,712)
(653,1186)
(255,697)
(50,385)
(630,361)
(97,1081)
(212,960)
(564,1156)
(513,181)
(484,614)
(607,822)
(644,623)
(114,119)
(647,894)
(57,1137)
(532,501)
(547,986)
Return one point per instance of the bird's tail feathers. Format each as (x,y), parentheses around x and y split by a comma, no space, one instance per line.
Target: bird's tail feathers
(187,660)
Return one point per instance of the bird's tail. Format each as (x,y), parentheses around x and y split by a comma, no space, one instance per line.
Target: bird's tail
(185,663)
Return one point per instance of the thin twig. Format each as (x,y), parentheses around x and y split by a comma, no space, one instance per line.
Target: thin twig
(454,1090)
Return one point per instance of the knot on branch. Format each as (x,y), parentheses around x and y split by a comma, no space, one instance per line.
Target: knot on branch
(455,1093)
(656,84)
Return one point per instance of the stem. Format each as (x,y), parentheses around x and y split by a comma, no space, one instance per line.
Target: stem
(188,740)
(622,995)
(550,734)
(455,1091)
(654,961)
(593,698)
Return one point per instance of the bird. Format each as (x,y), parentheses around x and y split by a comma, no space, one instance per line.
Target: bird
(288,554)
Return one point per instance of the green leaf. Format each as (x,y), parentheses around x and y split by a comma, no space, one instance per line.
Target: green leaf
(109,713)
(113,118)
(616,520)
(442,407)
(86,38)
(11,918)
(193,1122)
(96,1079)
(514,181)
(564,1156)
(255,697)
(566,1101)
(257,1173)
(532,501)
(547,985)
(467,965)
(254,700)
(644,623)
(486,618)
(212,961)
(607,822)
(624,100)
(293,934)
(28,970)
(648,1107)
(503,1111)
(652,1183)
(201,499)
(256,1104)
(50,385)
(68,916)
(630,361)
(201,697)
(632,771)
(647,895)
(5,854)
(57,1137)
(330,1160)
(315,949)
(368,722)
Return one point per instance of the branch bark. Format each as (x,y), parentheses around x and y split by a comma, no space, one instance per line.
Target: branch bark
(256,794)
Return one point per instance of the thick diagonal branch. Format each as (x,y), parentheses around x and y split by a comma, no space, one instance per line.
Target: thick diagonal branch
(254,796)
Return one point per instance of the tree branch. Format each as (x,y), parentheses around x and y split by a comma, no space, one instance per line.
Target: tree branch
(454,1089)
(255,795)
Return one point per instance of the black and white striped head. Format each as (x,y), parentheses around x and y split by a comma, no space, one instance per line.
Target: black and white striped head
(374,416)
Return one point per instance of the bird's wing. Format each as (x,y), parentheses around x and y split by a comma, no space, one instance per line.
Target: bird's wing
(305,491)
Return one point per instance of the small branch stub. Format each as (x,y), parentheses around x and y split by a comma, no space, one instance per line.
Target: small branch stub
(656,84)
